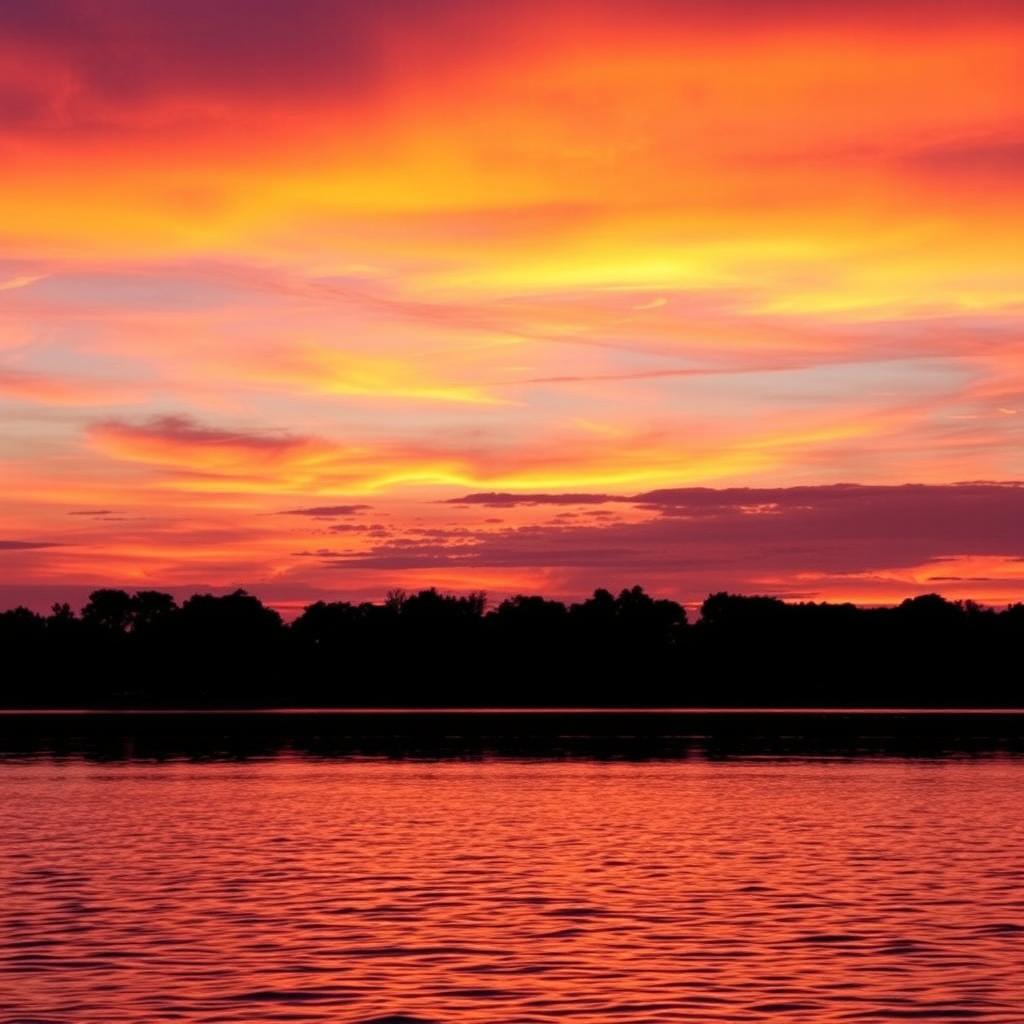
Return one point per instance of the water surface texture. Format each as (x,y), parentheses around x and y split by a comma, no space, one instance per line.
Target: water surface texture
(295,888)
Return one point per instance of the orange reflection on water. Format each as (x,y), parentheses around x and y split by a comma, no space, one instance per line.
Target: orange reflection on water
(308,890)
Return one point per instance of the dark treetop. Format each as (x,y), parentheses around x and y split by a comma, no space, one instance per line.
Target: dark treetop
(433,649)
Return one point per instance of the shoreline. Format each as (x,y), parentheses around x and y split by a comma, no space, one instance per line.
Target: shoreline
(481,733)
(509,710)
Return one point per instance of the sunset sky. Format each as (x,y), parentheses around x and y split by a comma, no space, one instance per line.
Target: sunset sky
(322,298)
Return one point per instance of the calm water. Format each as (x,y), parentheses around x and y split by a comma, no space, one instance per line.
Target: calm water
(295,888)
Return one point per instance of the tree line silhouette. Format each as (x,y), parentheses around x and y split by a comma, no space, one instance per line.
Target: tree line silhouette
(435,649)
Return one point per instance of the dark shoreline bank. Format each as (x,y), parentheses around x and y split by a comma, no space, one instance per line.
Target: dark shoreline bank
(438,733)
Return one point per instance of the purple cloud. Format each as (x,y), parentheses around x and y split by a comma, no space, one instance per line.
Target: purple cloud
(501,499)
(326,511)
(739,537)
(987,157)
(27,545)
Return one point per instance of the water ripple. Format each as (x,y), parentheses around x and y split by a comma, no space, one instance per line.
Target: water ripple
(455,892)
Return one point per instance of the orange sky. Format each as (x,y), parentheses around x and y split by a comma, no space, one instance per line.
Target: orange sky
(318,254)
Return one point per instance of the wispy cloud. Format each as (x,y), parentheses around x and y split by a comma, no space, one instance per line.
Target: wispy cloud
(600,266)
(495,499)
(326,511)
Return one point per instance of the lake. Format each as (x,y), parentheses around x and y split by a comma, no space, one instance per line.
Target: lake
(663,873)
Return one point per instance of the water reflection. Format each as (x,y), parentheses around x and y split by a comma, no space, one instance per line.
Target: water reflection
(481,889)
(440,734)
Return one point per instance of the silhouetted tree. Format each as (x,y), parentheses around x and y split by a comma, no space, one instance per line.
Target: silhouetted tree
(109,610)
(435,648)
(152,611)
